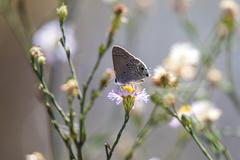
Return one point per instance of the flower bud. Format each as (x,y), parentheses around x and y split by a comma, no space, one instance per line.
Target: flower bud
(128,103)
(186,120)
(120,8)
(230,8)
(163,78)
(106,78)
(35,52)
(214,76)
(70,87)
(62,13)
(230,13)
(169,99)
(41,60)
(120,11)
(157,99)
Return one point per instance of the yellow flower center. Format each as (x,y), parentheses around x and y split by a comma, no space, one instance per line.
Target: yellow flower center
(185,109)
(128,88)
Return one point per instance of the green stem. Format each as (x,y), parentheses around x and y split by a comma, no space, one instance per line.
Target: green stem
(50,95)
(70,63)
(81,97)
(194,136)
(83,112)
(203,149)
(142,134)
(91,102)
(65,138)
(73,133)
(218,144)
(232,93)
(207,62)
(189,28)
(226,154)
(126,118)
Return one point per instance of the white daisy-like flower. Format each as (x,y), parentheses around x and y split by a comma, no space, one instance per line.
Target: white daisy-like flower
(183,60)
(206,111)
(128,90)
(202,111)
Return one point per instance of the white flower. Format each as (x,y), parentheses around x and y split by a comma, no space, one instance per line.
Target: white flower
(187,110)
(35,156)
(214,76)
(183,60)
(229,7)
(118,95)
(202,111)
(206,111)
(164,78)
(48,36)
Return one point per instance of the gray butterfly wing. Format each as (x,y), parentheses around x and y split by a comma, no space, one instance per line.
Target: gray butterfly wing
(127,67)
(120,59)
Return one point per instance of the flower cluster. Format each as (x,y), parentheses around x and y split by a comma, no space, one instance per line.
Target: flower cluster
(183,60)
(37,54)
(229,17)
(164,78)
(202,112)
(70,87)
(127,95)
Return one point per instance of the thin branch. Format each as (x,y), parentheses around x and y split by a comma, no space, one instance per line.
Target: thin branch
(126,118)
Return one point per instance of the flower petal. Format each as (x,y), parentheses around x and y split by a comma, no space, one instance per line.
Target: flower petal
(113,96)
(142,96)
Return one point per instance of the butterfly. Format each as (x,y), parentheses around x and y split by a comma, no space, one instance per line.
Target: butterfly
(127,67)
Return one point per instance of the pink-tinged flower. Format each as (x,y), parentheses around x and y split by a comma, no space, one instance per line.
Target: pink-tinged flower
(127,95)
(48,36)
(120,8)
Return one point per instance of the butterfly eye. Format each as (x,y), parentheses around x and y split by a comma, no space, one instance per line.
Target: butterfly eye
(142,68)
